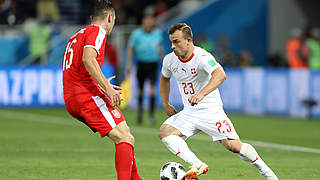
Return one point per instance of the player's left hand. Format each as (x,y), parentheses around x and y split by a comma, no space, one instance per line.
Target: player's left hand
(113,92)
(195,99)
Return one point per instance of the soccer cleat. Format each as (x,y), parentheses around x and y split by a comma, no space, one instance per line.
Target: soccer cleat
(269,175)
(195,172)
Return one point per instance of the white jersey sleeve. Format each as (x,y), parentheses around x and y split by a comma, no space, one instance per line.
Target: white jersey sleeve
(166,72)
(209,63)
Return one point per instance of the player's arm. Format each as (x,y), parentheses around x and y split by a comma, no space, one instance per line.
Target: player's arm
(165,92)
(217,78)
(92,66)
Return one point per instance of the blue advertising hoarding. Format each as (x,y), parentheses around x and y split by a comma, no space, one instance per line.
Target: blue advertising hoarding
(34,86)
(246,90)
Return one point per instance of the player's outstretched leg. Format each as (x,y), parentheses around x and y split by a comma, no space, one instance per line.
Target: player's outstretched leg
(180,148)
(247,153)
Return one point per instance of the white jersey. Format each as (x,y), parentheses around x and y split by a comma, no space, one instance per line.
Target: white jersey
(192,76)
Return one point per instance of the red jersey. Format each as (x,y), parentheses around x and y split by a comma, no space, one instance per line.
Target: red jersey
(76,78)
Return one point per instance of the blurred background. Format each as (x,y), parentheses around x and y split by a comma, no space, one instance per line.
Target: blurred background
(269,49)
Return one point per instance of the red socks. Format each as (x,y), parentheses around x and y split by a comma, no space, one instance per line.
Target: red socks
(125,162)
(134,172)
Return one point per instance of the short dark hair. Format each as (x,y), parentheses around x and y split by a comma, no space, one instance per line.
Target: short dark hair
(186,30)
(102,8)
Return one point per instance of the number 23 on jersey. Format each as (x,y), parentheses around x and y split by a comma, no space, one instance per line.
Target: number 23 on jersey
(188,88)
(223,125)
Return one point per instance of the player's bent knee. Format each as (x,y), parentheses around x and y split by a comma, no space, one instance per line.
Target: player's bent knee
(161,135)
(167,130)
(127,137)
(121,135)
(163,132)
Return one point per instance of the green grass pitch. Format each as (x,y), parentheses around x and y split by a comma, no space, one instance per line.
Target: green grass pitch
(48,144)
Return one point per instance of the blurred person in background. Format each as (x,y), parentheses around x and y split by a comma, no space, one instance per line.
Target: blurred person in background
(88,94)
(25,9)
(221,45)
(5,6)
(313,45)
(39,41)
(17,11)
(276,59)
(160,7)
(245,59)
(48,10)
(296,50)
(146,43)
(228,59)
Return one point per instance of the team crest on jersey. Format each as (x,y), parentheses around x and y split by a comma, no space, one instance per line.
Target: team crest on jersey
(193,72)
(116,113)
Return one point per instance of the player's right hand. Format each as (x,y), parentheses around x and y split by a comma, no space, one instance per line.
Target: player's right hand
(170,110)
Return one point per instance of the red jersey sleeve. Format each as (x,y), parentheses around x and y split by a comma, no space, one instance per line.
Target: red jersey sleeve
(94,38)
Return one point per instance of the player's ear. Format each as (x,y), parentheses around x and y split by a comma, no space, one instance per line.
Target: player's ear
(110,17)
(189,39)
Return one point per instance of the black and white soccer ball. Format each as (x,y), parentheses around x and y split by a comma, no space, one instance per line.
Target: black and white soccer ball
(172,171)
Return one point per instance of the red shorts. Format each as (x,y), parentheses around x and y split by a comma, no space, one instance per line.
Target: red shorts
(96,111)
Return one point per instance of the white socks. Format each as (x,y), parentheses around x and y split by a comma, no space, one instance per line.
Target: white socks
(180,148)
(249,154)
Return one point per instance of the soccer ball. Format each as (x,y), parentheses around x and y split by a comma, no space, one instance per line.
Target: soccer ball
(172,171)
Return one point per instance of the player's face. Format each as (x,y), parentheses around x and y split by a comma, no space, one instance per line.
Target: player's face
(180,46)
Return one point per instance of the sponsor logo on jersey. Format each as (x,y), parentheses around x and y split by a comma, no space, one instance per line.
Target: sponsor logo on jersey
(183,70)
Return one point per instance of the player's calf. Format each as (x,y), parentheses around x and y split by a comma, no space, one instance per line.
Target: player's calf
(233,145)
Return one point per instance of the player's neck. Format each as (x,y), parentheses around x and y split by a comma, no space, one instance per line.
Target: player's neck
(189,54)
(101,24)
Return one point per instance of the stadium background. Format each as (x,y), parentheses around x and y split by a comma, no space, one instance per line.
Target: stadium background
(264,93)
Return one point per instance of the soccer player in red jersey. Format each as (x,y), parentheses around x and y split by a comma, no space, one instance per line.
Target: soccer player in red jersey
(88,94)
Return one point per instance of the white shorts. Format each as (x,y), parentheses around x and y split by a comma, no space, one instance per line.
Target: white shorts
(213,122)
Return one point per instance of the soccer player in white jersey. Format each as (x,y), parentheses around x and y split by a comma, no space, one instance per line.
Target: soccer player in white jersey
(199,76)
